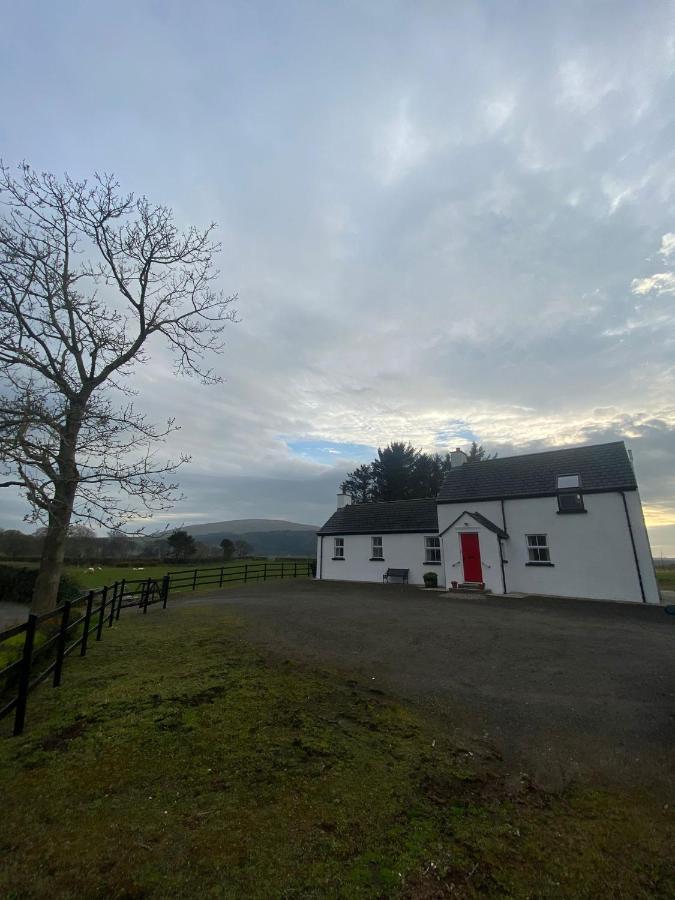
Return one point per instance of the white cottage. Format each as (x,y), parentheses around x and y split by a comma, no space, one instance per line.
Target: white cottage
(566,523)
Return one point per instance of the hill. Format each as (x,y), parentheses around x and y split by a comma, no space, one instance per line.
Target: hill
(268,537)
(246,526)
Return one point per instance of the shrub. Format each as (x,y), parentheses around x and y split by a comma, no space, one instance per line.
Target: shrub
(17,585)
(430,579)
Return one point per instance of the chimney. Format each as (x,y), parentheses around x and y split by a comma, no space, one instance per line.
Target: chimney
(457,458)
(343,500)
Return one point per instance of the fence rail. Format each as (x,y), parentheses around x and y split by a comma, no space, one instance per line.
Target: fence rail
(49,638)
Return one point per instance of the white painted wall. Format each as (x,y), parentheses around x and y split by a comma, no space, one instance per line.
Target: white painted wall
(401,551)
(591,552)
(489,553)
(643,547)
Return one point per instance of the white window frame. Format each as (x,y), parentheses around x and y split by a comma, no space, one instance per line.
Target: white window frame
(338,548)
(376,549)
(538,550)
(432,549)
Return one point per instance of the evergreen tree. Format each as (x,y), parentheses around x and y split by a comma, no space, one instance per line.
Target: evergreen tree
(401,472)
(359,484)
(394,472)
(477,453)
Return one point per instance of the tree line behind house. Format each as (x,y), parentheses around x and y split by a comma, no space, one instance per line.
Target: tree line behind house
(401,472)
(84,546)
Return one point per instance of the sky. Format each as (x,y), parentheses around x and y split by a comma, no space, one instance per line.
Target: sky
(444,222)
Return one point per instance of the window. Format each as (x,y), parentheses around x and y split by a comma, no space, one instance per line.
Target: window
(537,548)
(570,498)
(432,550)
(339,548)
(376,550)
(571,501)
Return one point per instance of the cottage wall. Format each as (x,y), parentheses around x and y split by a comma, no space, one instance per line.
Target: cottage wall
(591,552)
(401,551)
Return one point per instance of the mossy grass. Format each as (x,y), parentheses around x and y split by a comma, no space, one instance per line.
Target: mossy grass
(177,760)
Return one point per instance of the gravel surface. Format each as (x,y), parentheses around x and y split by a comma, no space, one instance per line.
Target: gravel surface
(561,688)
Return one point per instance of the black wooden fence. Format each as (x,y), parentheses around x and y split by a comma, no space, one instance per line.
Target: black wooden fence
(49,638)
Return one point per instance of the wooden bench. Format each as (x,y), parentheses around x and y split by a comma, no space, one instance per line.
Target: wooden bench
(396,573)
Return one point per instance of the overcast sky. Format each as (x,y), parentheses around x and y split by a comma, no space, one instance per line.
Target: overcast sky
(444,221)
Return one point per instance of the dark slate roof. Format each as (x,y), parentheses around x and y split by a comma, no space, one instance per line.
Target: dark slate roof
(602,467)
(383,518)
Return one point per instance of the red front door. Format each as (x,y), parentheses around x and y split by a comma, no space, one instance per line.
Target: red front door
(471,557)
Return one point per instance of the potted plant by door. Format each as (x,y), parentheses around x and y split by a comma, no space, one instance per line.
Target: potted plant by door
(454,585)
(430,579)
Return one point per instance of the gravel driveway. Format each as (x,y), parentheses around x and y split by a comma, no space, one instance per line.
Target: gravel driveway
(559,687)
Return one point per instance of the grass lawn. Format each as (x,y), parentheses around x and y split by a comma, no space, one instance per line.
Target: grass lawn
(111,574)
(666,579)
(177,761)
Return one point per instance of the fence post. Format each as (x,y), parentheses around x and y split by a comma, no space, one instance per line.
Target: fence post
(146,595)
(282,568)
(295,569)
(24,674)
(87,622)
(166,581)
(194,580)
(120,599)
(101,614)
(221,576)
(265,571)
(113,602)
(245,572)
(61,643)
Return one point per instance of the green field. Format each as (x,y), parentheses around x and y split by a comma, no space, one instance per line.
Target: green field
(176,760)
(666,579)
(110,574)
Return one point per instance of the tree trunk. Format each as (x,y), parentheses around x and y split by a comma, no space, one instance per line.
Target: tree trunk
(45,591)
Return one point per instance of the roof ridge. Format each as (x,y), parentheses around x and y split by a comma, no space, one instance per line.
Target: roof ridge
(402,500)
(542,452)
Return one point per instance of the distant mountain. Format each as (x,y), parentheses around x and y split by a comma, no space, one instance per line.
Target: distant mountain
(248,526)
(268,537)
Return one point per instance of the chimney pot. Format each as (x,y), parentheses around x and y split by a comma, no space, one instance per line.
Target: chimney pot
(343,500)
(457,458)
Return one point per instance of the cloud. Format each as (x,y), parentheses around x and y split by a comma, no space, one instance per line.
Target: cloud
(426,249)
(667,245)
(661,283)
(401,147)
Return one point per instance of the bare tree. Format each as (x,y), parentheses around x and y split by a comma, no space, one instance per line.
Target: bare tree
(88,277)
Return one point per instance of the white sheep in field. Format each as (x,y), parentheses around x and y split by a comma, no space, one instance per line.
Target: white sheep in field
(91,569)
(99,569)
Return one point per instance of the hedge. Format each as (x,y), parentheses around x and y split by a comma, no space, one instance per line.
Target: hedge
(17,585)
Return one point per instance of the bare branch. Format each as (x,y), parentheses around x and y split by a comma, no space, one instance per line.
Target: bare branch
(89,277)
